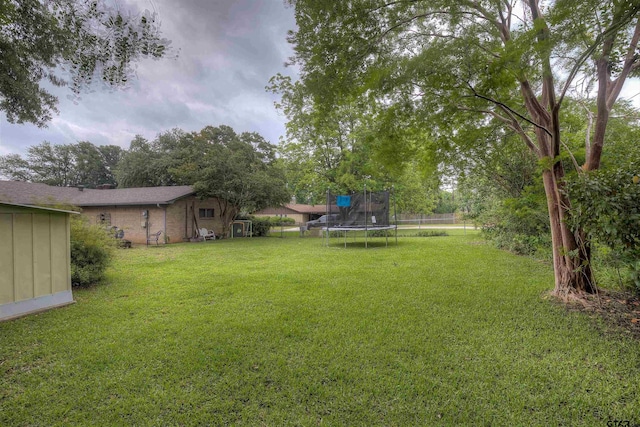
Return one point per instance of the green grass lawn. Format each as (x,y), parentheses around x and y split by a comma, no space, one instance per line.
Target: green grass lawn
(268,331)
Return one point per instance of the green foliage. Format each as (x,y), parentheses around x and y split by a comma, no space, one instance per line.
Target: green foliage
(346,147)
(151,164)
(378,233)
(502,192)
(606,205)
(284,220)
(452,80)
(431,233)
(446,202)
(415,191)
(70,42)
(261,225)
(92,249)
(240,170)
(521,224)
(79,164)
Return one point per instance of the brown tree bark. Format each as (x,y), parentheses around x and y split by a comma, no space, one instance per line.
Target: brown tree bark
(571,254)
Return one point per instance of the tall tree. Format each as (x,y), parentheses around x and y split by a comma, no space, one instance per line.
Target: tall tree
(138,166)
(241,171)
(92,167)
(14,168)
(341,149)
(67,42)
(52,164)
(63,165)
(452,66)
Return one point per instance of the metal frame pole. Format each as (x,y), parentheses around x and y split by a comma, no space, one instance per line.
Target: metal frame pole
(395,214)
(366,243)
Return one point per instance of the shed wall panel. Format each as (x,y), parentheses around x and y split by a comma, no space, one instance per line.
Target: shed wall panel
(6,259)
(42,254)
(23,261)
(59,253)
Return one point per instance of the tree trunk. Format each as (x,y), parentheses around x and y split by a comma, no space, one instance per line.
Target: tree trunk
(228,213)
(571,254)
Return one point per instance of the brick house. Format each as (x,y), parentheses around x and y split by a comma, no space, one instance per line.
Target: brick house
(299,212)
(174,210)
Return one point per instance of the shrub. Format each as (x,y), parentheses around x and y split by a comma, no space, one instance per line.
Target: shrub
(377,233)
(91,252)
(285,220)
(519,225)
(261,226)
(431,233)
(606,205)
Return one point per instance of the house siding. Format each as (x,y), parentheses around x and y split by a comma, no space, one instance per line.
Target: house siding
(174,220)
(180,216)
(129,219)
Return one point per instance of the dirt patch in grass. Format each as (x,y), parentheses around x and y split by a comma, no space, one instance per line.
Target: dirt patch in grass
(619,310)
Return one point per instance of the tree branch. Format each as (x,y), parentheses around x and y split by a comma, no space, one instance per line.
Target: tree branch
(375,9)
(484,13)
(509,121)
(509,109)
(624,20)
(631,61)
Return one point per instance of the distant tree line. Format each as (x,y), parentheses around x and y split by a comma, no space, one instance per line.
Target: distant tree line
(240,170)
(69,165)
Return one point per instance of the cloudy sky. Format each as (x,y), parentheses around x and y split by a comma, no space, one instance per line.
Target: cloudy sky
(228,50)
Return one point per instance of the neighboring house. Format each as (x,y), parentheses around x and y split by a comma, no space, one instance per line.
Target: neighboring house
(35,260)
(300,213)
(140,212)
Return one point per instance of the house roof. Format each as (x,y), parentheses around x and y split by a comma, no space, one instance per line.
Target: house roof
(29,193)
(294,208)
(313,209)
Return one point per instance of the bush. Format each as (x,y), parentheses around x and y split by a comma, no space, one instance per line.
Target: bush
(606,205)
(285,220)
(431,233)
(261,226)
(377,233)
(519,225)
(91,252)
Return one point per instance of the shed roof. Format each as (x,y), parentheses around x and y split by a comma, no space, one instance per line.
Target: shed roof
(37,207)
(28,193)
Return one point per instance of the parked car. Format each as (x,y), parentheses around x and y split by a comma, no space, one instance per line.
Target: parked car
(322,221)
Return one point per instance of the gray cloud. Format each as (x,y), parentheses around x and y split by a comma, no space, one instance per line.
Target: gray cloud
(228,50)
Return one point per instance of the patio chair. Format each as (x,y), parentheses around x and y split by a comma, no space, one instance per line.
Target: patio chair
(207,234)
(154,237)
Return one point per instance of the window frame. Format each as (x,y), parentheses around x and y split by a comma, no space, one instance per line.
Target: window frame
(202,213)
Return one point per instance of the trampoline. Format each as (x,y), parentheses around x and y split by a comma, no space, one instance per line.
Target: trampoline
(366,212)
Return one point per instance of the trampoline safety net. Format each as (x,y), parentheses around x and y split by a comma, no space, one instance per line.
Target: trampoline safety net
(358,210)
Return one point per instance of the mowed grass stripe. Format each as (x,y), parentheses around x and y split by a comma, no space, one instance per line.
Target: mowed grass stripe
(438,330)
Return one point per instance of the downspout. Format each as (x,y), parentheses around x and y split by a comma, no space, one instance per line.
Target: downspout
(164,226)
